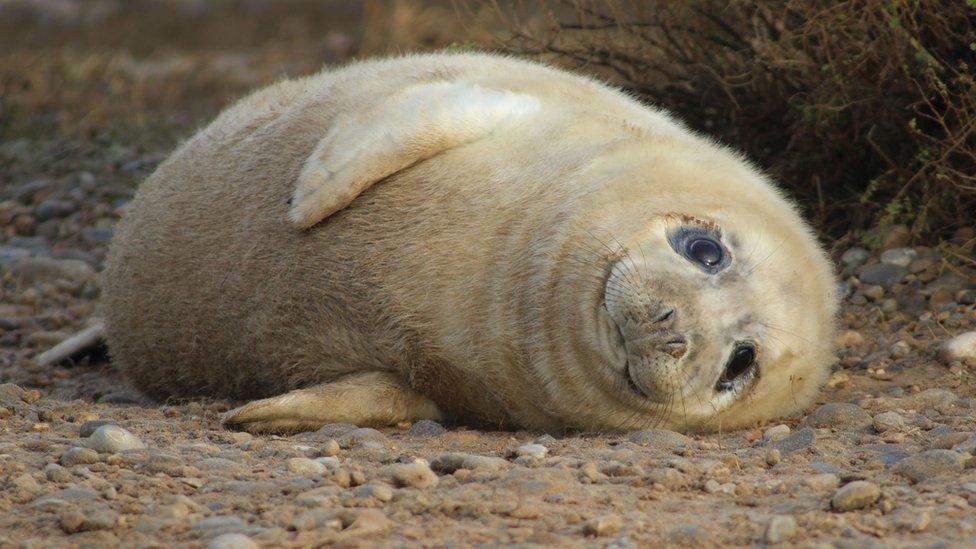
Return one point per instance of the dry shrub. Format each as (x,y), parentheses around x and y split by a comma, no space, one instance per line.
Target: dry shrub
(865,110)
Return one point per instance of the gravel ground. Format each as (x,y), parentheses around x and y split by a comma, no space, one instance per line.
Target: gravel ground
(885,458)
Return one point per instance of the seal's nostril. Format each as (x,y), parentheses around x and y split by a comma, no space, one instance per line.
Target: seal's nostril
(665,316)
(676,347)
(743,357)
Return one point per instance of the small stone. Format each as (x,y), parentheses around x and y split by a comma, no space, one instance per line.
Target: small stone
(882,274)
(329,449)
(889,305)
(78,456)
(822,482)
(690,535)
(897,236)
(534,451)
(220,525)
(888,421)
(26,483)
(839,415)
(776,432)
(607,525)
(31,270)
(930,464)
(855,495)
(961,347)
(661,439)
(89,427)
(873,292)
(849,338)
(232,540)
(966,297)
(449,463)
(900,349)
(426,428)
(855,256)
(358,436)
(413,475)
(112,439)
(967,446)
(53,208)
(55,473)
(381,492)
(305,466)
(71,521)
(899,256)
(164,462)
(772,456)
(804,438)
(780,529)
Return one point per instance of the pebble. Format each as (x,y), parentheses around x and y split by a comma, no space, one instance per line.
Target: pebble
(882,274)
(413,475)
(855,495)
(849,338)
(961,347)
(232,541)
(602,526)
(888,421)
(839,415)
(426,428)
(776,432)
(930,464)
(218,525)
(305,466)
(534,451)
(855,256)
(88,427)
(78,456)
(165,462)
(381,492)
(822,482)
(967,446)
(690,535)
(112,439)
(358,436)
(55,473)
(32,270)
(448,463)
(661,439)
(53,208)
(804,438)
(901,257)
(780,529)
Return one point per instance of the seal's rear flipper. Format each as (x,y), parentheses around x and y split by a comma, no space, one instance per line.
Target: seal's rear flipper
(87,341)
(373,398)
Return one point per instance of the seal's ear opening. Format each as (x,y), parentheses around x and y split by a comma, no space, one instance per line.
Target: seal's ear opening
(415,124)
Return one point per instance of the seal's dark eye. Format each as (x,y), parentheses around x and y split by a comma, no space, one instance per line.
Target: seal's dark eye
(701,247)
(705,251)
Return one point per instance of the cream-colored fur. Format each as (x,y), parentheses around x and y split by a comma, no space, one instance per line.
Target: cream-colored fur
(461,236)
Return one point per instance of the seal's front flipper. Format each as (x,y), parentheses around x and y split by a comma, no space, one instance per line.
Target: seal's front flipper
(374,398)
(87,341)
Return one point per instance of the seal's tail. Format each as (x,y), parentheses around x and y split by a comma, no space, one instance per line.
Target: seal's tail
(85,342)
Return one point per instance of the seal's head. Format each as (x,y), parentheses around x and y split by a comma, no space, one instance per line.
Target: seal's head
(716,308)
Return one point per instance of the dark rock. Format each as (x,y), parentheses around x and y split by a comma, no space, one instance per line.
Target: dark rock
(804,438)
(882,274)
(839,415)
(427,428)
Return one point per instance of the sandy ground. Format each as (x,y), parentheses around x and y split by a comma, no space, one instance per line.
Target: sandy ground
(887,459)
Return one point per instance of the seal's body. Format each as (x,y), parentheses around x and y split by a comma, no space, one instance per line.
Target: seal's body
(471,237)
